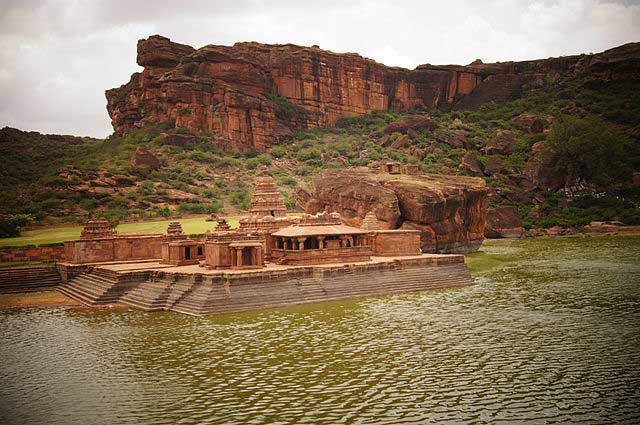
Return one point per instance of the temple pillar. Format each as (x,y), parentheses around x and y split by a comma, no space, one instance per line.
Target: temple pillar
(239,257)
(301,243)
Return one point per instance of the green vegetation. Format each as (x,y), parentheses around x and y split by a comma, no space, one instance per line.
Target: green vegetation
(285,109)
(10,224)
(591,150)
(47,236)
(594,138)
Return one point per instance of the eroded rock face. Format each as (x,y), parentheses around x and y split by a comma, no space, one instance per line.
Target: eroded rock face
(503,222)
(353,195)
(249,96)
(449,211)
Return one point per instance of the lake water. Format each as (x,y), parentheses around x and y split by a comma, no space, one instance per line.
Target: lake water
(550,335)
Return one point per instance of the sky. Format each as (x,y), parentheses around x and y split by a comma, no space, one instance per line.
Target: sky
(57,57)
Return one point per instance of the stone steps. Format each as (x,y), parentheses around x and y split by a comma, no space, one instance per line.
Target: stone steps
(28,280)
(213,298)
(149,296)
(194,296)
(93,288)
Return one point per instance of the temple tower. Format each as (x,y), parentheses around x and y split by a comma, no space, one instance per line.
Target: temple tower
(266,200)
(174,231)
(222,225)
(370,222)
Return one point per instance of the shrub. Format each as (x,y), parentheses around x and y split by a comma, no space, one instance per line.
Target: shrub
(289,202)
(287,181)
(194,207)
(310,155)
(240,198)
(278,151)
(146,188)
(285,109)
(10,224)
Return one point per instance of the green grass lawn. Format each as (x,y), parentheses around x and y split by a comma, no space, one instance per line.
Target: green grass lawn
(192,225)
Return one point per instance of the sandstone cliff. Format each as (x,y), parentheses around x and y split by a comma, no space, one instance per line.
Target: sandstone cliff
(249,96)
(449,211)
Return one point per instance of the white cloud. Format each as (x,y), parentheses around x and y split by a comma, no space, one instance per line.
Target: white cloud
(58,56)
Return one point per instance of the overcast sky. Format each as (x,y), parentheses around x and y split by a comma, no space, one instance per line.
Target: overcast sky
(57,57)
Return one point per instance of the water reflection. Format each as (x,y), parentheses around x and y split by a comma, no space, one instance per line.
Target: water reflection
(550,335)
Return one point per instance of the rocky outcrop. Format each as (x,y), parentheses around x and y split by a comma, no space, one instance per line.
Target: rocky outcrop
(413,122)
(470,165)
(249,96)
(301,197)
(528,123)
(454,138)
(144,158)
(501,143)
(503,222)
(449,211)
(542,168)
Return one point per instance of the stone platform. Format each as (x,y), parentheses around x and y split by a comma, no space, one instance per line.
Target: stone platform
(194,290)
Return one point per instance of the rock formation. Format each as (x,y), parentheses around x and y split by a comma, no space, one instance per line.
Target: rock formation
(501,143)
(449,211)
(503,222)
(250,95)
(144,158)
(528,123)
(542,168)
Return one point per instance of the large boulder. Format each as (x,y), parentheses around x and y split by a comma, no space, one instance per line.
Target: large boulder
(493,166)
(182,140)
(414,122)
(501,143)
(454,138)
(161,52)
(470,165)
(353,195)
(543,170)
(449,211)
(142,158)
(528,123)
(503,222)
(401,142)
(302,197)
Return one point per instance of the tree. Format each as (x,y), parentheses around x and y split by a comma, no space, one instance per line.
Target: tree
(592,150)
(10,224)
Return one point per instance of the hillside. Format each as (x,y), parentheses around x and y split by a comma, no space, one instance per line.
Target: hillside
(565,152)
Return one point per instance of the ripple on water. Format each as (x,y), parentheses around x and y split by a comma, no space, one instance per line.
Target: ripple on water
(549,336)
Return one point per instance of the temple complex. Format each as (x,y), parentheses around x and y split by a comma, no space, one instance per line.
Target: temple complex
(320,239)
(271,259)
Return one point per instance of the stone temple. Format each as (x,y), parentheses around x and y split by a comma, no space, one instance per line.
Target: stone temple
(272,259)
